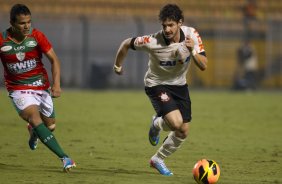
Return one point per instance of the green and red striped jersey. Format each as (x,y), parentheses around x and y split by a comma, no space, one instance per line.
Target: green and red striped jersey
(22,62)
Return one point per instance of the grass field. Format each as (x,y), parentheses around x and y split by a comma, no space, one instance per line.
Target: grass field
(105,132)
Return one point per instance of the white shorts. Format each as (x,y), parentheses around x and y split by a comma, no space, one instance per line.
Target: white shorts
(24,98)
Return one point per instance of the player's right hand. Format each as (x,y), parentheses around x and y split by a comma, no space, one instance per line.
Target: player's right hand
(118,69)
(189,42)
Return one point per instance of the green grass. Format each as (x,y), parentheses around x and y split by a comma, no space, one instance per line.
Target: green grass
(105,132)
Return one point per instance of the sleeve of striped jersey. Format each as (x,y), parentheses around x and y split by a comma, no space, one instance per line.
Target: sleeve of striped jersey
(43,42)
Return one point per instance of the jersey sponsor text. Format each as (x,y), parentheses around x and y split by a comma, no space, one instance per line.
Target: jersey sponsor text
(21,67)
(142,40)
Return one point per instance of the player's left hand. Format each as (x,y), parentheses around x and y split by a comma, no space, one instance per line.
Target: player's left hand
(56,91)
(189,42)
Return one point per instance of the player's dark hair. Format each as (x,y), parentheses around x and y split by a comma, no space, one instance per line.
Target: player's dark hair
(172,12)
(18,9)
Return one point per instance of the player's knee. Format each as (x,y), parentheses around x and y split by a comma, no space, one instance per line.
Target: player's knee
(176,124)
(52,127)
(50,124)
(181,134)
(183,131)
(32,119)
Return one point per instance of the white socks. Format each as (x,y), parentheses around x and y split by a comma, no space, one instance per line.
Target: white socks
(170,145)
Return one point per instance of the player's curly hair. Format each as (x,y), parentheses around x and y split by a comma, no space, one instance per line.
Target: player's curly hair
(172,12)
(18,9)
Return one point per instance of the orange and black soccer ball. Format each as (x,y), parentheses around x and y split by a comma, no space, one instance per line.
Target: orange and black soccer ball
(206,172)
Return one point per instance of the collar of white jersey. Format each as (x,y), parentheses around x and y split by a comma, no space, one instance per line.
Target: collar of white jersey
(182,37)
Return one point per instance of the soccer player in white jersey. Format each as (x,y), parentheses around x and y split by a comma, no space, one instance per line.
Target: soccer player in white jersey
(170,52)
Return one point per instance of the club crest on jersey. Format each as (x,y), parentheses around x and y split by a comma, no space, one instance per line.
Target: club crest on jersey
(20,56)
(164,97)
(31,43)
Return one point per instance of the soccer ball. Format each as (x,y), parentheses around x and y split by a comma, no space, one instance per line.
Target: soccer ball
(206,171)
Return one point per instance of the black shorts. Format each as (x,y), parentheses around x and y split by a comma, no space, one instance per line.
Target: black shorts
(166,98)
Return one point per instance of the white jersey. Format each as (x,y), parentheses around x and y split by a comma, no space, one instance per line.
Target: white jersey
(168,63)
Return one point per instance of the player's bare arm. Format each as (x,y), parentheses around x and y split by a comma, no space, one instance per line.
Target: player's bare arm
(56,72)
(120,56)
(200,60)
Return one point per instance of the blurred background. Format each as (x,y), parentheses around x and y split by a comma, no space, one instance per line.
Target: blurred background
(242,39)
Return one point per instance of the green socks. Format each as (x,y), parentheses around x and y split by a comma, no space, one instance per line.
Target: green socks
(47,138)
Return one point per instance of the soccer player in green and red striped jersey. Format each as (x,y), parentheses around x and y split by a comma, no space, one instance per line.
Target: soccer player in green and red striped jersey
(21,50)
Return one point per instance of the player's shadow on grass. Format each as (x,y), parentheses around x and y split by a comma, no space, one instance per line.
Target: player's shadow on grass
(111,171)
(77,171)
(10,167)
(102,171)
